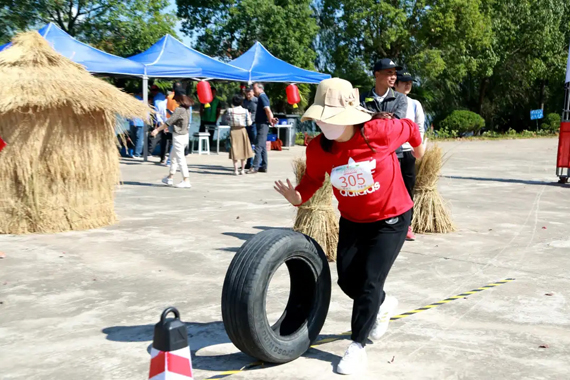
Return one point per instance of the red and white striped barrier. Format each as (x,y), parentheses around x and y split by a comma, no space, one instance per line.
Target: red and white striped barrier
(174,365)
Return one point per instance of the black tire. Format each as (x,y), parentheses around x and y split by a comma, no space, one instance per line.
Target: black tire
(245,289)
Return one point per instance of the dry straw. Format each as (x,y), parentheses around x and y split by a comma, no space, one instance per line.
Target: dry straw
(317,217)
(61,166)
(430,211)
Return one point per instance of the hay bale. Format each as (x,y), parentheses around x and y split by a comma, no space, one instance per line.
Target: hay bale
(60,168)
(430,211)
(317,218)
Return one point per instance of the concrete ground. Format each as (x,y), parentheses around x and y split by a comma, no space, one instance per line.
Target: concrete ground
(82,305)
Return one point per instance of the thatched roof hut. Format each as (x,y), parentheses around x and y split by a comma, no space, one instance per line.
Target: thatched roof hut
(61,165)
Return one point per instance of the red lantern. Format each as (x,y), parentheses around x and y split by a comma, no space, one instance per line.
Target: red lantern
(204,93)
(293,96)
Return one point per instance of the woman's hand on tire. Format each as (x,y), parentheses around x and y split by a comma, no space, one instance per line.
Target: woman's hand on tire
(288,191)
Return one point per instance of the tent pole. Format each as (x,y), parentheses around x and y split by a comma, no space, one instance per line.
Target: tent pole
(146,122)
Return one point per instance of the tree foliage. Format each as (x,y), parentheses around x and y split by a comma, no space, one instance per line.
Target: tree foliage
(498,58)
(122,27)
(228,28)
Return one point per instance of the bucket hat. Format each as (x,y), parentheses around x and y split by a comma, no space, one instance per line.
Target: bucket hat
(337,102)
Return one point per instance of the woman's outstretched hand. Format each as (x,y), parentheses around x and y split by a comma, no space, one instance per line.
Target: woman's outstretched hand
(288,191)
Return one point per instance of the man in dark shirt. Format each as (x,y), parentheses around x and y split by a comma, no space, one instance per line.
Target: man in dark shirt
(382,99)
(250,104)
(263,119)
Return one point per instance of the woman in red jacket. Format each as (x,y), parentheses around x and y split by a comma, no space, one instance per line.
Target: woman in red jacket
(358,154)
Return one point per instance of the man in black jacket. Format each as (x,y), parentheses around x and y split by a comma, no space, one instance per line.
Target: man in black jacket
(382,99)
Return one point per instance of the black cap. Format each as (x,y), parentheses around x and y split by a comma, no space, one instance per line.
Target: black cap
(179,91)
(386,63)
(404,76)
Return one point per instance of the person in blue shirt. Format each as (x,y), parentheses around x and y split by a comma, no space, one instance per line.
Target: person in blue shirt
(263,119)
(159,104)
(137,133)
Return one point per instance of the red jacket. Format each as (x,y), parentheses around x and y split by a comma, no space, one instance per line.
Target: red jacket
(368,185)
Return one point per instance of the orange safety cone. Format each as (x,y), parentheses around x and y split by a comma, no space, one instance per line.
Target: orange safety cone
(170,353)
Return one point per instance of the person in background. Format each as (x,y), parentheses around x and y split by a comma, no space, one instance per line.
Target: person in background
(171,104)
(137,132)
(250,104)
(382,100)
(159,104)
(415,113)
(263,119)
(239,118)
(209,116)
(359,155)
(178,123)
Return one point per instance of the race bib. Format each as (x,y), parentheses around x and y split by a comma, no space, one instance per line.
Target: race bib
(354,177)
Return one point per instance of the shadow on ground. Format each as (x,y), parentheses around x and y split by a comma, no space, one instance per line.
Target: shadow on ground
(246,236)
(145,184)
(210,346)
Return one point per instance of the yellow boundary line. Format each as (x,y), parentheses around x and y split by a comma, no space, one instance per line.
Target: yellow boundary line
(394,318)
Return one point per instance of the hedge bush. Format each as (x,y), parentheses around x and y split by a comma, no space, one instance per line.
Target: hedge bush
(551,122)
(463,122)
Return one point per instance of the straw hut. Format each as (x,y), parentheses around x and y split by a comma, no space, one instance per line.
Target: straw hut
(61,165)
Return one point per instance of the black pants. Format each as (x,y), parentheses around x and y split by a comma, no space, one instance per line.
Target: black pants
(366,252)
(163,139)
(408,167)
(260,160)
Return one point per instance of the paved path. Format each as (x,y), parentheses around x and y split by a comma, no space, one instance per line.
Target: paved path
(81,305)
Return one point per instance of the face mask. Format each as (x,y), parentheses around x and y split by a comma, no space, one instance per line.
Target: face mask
(331,131)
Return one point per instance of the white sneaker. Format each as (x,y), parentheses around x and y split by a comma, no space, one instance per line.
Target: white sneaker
(167,181)
(387,311)
(183,185)
(354,360)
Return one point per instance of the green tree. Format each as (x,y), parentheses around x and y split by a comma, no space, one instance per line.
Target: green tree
(119,27)
(498,58)
(531,43)
(356,33)
(228,28)
(12,21)
(441,41)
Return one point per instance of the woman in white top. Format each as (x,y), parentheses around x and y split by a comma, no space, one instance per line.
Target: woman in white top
(416,114)
(238,118)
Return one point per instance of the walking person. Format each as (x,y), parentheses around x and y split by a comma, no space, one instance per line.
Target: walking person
(238,118)
(263,119)
(250,103)
(415,113)
(179,123)
(359,155)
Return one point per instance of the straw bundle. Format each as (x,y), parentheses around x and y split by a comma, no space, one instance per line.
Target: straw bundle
(430,212)
(317,218)
(61,165)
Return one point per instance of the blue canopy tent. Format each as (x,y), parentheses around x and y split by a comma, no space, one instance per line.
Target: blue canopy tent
(264,67)
(170,58)
(94,60)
